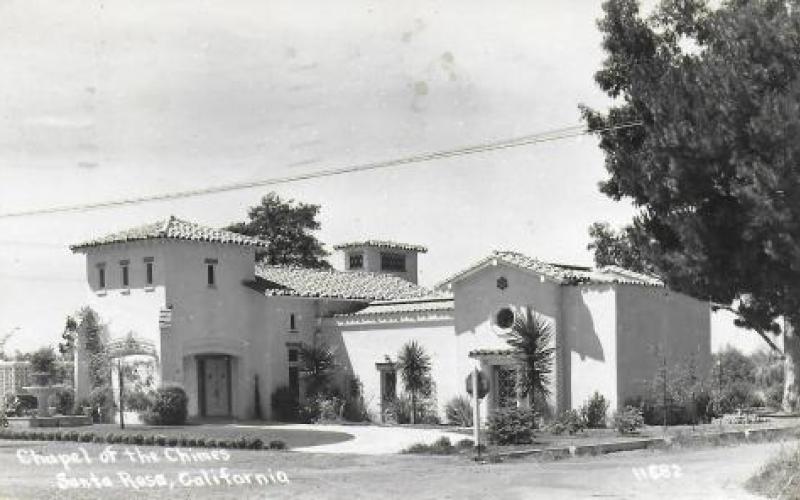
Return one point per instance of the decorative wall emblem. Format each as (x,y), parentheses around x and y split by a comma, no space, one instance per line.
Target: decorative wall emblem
(502,283)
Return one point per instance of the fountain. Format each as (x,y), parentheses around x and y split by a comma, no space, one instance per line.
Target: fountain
(42,392)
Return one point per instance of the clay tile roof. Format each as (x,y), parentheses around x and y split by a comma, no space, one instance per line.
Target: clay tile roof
(433,303)
(491,352)
(175,229)
(382,244)
(562,273)
(354,285)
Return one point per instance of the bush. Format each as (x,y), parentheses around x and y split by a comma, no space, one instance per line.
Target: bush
(465,444)
(170,407)
(149,440)
(255,444)
(773,396)
(172,442)
(354,408)
(400,409)
(139,401)
(63,400)
(322,408)
(161,440)
(201,442)
(442,446)
(277,444)
(594,411)
(511,426)
(285,407)
(569,421)
(101,400)
(211,443)
(628,420)
(459,411)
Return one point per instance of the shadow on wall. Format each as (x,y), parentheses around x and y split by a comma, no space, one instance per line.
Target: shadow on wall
(583,335)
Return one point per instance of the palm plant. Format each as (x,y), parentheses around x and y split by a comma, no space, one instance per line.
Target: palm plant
(415,367)
(531,337)
(317,364)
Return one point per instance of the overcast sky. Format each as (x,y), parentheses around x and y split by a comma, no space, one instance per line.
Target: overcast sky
(103,100)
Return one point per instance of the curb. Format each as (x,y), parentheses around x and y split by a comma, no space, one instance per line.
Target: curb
(720,438)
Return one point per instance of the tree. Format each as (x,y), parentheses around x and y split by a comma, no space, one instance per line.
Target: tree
(287,226)
(531,336)
(616,248)
(712,103)
(67,347)
(317,364)
(414,365)
(94,335)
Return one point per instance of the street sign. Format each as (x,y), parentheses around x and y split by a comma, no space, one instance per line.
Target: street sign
(483,384)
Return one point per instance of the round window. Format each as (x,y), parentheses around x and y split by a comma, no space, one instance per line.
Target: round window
(504,318)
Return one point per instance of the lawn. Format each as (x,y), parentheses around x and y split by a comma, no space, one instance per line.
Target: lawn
(294,438)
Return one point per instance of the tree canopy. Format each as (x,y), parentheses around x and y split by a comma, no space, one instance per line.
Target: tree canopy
(713,165)
(288,227)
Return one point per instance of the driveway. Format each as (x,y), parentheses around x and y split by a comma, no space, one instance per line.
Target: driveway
(367,439)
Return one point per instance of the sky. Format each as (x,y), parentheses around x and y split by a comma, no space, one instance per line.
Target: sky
(101,100)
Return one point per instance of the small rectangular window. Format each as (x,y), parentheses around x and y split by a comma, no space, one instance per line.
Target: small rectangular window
(148,273)
(211,275)
(125,281)
(293,355)
(395,262)
(101,277)
(356,261)
(292,323)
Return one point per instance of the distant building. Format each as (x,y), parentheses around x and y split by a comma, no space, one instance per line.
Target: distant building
(14,375)
(218,321)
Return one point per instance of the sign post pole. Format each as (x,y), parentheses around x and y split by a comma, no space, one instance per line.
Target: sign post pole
(476,410)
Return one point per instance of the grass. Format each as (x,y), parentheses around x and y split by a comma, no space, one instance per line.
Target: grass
(780,477)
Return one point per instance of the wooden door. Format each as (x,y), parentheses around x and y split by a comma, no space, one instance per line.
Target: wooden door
(217,386)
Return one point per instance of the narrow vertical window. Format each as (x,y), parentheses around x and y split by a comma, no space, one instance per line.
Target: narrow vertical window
(211,272)
(148,271)
(292,323)
(125,277)
(101,277)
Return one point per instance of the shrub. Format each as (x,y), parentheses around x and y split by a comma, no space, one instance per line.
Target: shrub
(459,411)
(255,444)
(321,408)
(138,439)
(161,440)
(98,439)
(629,420)
(355,410)
(63,400)
(172,442)
(110,437)
(183,441)
(569,421)
(773,396)
(191,442)
(87,437)
(43,361)
(285,406)
(511,426)
(201,442)
(277,444)
(101,400)
(465,443)
(400,410)
(139,401)
(170,407)
(594,411)
(149,440)
(241,443)
(442,446)
(211,443)
(224,443)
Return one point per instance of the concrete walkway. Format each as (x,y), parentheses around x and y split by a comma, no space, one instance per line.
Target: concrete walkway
(369,439)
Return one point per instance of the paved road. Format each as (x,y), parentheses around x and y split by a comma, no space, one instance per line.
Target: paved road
(368,439)
(715,473)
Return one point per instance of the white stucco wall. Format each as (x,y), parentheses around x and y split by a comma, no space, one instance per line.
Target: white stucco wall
(477,300)
(368,342)
(653,322)
(590,343)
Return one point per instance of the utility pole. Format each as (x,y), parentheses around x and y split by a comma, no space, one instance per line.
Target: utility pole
(664,406)
(121,404)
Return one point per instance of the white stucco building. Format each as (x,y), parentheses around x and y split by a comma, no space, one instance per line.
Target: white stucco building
(219,321)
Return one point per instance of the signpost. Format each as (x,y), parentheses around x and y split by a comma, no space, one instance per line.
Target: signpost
(478,387)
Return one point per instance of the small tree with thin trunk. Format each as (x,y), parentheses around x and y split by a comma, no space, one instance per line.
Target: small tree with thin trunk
(318,364)
(415,368)
(531,337)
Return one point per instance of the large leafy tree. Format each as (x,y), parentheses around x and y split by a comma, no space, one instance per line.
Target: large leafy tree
(531,336)
(415,370)
(713,167)
(288,227)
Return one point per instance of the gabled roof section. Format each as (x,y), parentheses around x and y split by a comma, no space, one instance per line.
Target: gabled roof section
(432,303)
(173,229)
(350,285)
(382,244)
(561,273)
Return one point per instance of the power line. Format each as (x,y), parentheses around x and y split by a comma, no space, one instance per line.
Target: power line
(552,135)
